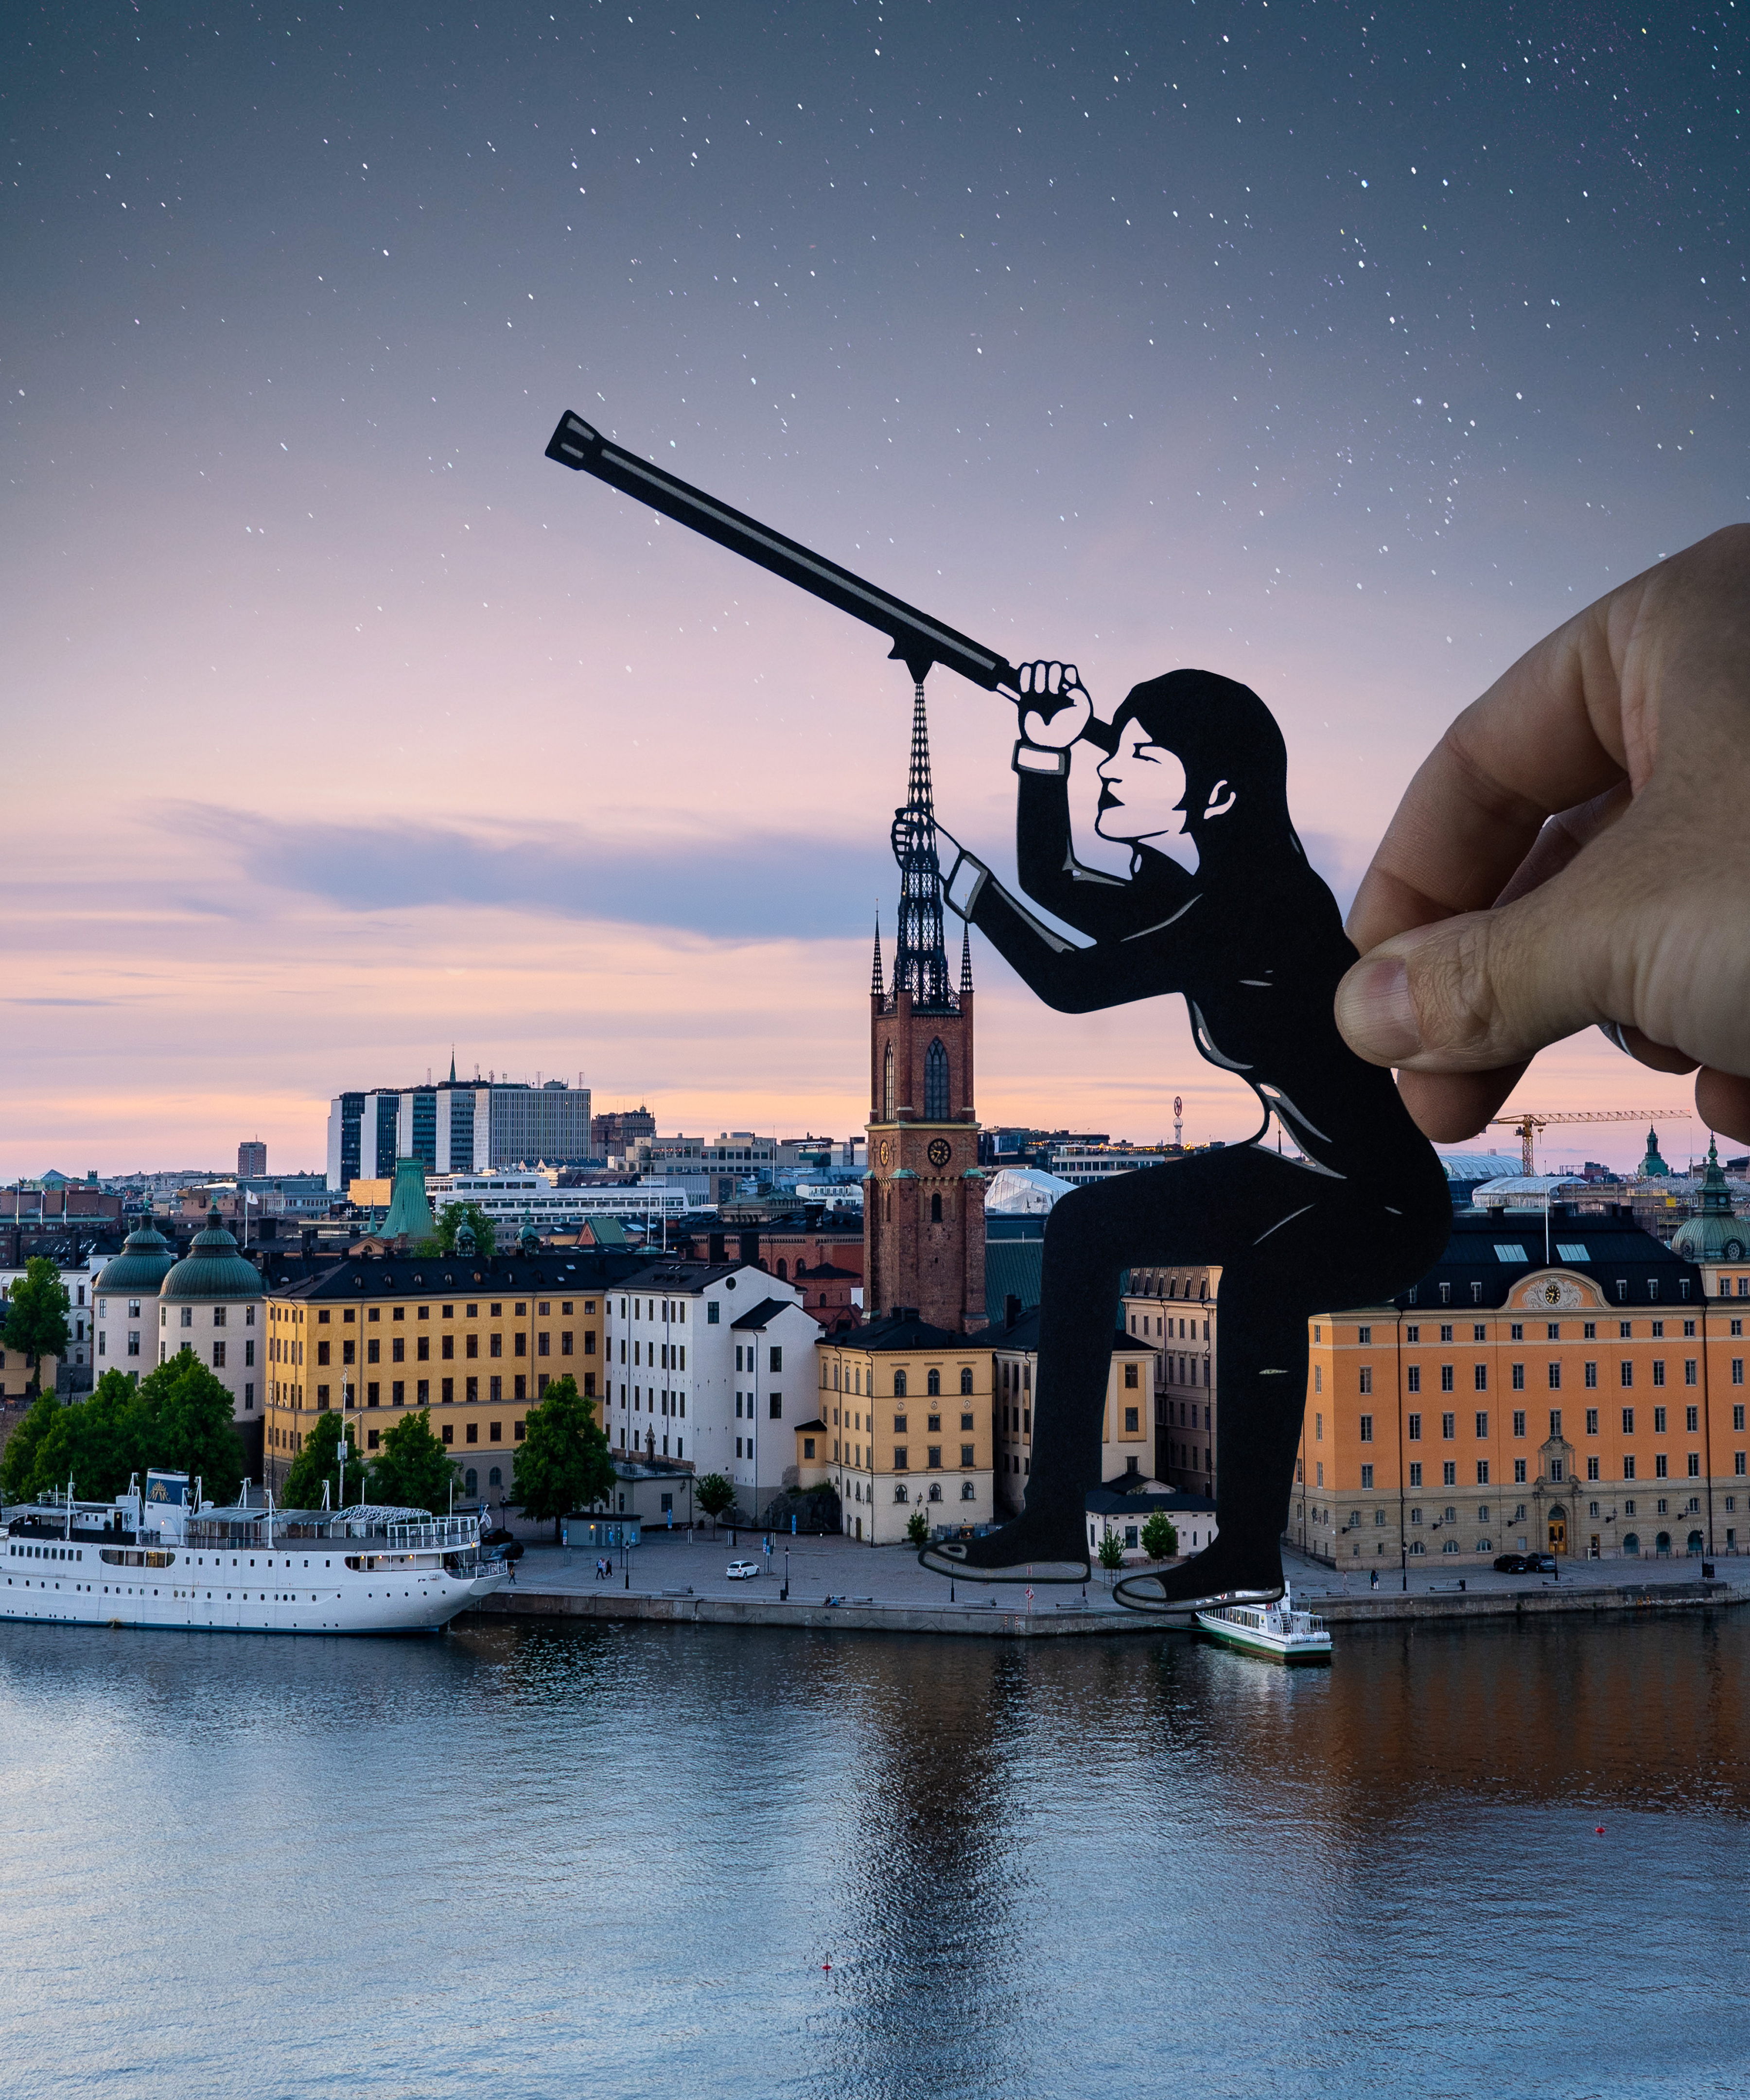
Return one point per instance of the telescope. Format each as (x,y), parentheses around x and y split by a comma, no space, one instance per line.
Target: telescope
(918,640)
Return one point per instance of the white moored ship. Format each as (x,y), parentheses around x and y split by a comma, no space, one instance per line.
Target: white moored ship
(161,1559)
(1277,1630)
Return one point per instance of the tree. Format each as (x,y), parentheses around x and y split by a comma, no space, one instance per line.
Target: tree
(36,1316)
(98,1443)
(18,1467)
(1160,1540)
(186,1426)
(316,1466)
(415,1471)
(562,1464)
(1111,1553)
(453,1214)
(714,1494)
(917,1528)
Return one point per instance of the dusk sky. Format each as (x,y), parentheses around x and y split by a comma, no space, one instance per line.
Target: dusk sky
(1343,350)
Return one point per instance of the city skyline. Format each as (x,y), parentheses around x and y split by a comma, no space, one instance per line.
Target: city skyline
(1344,356)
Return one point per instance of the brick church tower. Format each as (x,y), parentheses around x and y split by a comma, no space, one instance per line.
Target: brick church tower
(924,1206)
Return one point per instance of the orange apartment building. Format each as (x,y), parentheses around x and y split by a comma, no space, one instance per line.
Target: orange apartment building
(1586,1399)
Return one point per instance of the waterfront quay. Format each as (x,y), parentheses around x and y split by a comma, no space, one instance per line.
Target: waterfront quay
(682,1578)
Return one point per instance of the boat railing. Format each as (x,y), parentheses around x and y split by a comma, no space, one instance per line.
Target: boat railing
(447,1534)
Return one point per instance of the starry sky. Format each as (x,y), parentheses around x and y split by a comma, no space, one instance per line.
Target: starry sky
(1343,349)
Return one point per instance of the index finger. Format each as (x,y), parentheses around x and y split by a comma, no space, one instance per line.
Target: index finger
(1544,737)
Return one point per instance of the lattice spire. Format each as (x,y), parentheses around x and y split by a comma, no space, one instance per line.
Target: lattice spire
(920,963)
(966,959)
(874,981)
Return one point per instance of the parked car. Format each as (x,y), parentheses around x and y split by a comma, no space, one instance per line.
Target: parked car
(1540,1564)
(501,1544)
(1509,1564)
(740,1571)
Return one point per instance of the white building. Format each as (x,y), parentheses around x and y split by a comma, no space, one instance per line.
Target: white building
(711,1363)
(125,1294)
(211,1303)
(507,1198)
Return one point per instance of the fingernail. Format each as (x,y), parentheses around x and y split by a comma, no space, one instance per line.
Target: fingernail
(1374,1012)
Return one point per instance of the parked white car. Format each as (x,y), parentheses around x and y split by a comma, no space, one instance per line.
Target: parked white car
(740,1571)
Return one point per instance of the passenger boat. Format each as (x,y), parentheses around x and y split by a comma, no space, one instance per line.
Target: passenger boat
(1276,1629)
(164,1558)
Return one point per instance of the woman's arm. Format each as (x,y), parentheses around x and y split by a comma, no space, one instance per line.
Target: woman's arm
(1069,979)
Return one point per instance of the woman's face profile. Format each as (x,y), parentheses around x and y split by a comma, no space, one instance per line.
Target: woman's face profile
(1142,789)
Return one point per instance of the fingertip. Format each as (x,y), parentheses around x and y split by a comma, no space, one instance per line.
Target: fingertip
(1448,1107)
(1722,1101)
(1375,1013)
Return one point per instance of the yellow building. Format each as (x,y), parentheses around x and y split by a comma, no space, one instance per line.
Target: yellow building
(1592,1402)
(1127,1431)
(1177,1309)
(904,1425)
(475,1339)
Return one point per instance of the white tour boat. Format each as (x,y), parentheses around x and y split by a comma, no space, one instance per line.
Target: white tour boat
(166,1559)
(1275,1629)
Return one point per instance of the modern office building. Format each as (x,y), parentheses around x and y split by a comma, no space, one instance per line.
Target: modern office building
(252,1158)
(455,1126)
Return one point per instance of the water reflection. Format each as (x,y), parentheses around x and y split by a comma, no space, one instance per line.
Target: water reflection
(614,1859)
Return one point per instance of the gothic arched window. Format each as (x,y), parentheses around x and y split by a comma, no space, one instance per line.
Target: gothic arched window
(887,1086)
(966,1378)
(899,1385)
(933,1383)
(936,1083)
(935,1210)
(780,1264)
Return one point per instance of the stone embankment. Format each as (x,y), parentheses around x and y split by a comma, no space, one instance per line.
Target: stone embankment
(1049,1620)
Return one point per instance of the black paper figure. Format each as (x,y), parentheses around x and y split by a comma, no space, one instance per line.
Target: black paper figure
(1253,941)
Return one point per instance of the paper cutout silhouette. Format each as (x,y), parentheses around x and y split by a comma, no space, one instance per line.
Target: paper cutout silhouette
(1194,769)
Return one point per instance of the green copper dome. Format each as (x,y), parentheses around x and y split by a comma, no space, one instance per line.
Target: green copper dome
(1715,1234)
(146,1259)
(212,1268)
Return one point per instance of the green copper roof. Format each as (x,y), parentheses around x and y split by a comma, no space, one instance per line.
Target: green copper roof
(409,1208)
(1715,1235)
(212,1268)
(146,1259)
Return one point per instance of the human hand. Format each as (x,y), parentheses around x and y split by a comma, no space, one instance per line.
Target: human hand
(1070,709)
(1575,850)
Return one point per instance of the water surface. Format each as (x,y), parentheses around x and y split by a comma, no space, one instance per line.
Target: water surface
(611,1859)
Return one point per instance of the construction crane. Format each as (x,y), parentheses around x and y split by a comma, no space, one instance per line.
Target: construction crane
(1528,1124)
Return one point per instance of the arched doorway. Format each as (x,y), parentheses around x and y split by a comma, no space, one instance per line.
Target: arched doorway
(1662,1544)
(1631,1543)
(1695,1542)
(859,1527)
(1558,1529)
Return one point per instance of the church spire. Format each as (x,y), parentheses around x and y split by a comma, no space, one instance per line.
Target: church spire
(966,959)
(452,1064)
(875,985)
(920,963)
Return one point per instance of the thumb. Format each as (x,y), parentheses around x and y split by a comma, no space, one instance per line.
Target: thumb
(1482,989)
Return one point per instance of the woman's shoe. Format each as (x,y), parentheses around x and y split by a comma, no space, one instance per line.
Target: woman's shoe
(1219,1575)
(1019,1552)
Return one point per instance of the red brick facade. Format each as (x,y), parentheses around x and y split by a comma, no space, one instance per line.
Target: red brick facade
(924,1217)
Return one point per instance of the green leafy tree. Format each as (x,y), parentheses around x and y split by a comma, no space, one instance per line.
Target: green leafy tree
(1111,1553)
(18,1468)
(36,1317)
(563,1463)
(453,1214)
(317,1467)
(98,1443)
(186,1426)
(1160,1540)
(917,1528)
(414,1470)
(714,1494)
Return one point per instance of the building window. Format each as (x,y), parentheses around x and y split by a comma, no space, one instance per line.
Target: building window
(1518,1469)
(933,1453)
(935,1082)
(899,1385)
(932,1381)
(1448,1426)
(1482,1472)
(397,1392)
(1415,1429)
(1367,1428)
(1366,1377)
(1518,1377)
(218,1355)
(1367,1476)
(966,1378)
(1416,1480)
(1695,1465)
(1412,1379)
(1449,1473)
(1130,1379)
(1446,1377)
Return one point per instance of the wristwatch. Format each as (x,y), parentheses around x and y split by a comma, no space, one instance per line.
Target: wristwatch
(1039,758)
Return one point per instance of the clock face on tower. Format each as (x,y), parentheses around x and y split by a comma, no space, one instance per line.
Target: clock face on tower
(884,1152)
(941,1152)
